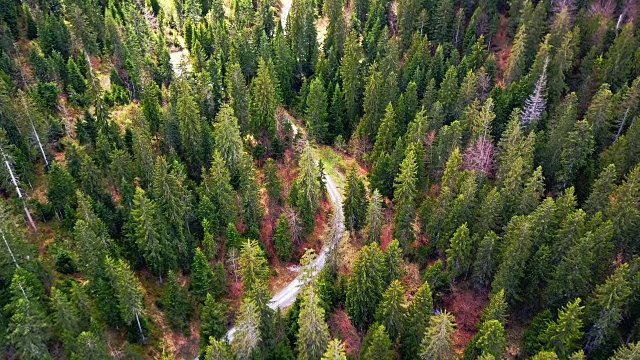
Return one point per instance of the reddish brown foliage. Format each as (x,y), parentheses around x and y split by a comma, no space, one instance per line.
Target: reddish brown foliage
(340,327)
(480,157)
(467,307)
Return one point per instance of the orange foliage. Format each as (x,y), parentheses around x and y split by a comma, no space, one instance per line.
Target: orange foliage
(340,327)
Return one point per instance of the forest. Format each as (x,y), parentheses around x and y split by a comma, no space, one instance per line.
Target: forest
(320,179)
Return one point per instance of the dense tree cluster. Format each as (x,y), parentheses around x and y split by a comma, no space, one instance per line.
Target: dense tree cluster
(159,165)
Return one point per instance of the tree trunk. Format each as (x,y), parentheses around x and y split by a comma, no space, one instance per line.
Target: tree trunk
(144,340)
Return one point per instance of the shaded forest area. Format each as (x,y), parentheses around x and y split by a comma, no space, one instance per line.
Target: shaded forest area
(165,167)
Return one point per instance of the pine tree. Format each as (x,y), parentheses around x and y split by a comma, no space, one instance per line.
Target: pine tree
(316,114)
(282,239)
(175,303)
(313,332)
(391,312)
(460,252)
(247,337)
(335,351)
(212,322)
(490,339)
(437,343)
(354,204)
(263,103)
(564,335)
(201,276)
(150,234)
(380,346)
(365,286)
(302,34)
(405,192)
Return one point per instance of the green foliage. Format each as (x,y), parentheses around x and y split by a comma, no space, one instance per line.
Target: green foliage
(437,342)
(365,285)
(316,113)
(175,303)
(283,240)
(379,345)
(391,311)
(405,193)
(212,323)
(564,335)
(354,203)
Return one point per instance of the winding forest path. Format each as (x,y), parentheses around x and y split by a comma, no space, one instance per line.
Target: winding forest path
(287,296)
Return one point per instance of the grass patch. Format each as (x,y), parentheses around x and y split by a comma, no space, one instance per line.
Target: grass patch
(334,164)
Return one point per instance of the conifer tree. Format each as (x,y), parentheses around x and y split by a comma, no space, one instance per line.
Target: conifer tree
(217,197)
(238,94)
(354,204)
(305,192)
(365,286)
(201,276)
(302,34)
(437,342)
(128,291)
(448,93)
(228,141)
(623,212)
(313,332)
(417,321)
(61,193)
(391,312)
(497,308)
(380,346)
(316,114)
(263,103)
(218,350)
(490,339)
(601,190)
(90,346)
(150,234)
(250,192)
(374,219)
(515,65)
(608,307)
(247,336)
(253,265)
(564,335)
(628,352)
(336,27)
(386,137)
(599,115)
(175,303)
(350,73)
(335,351)
(282,239)
(405,192)
(212,322)
(460,252)
(192,127)
(576,154)
(272,182)
(485,265)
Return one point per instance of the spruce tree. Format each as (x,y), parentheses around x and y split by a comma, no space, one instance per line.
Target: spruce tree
(272,182)
(128,292)
(599,115)
(516,63)
(460,252)
(497,308)
(228,141)
(490,339)
(391,311)
(247,336)
(380,345)
(485,265)
(437,342)
(263,103)
(201,276)
(417,321)
(313,332)
(354,204)
(217,197)
(283,240)
(335,351)
(175,303)
(218,350)
(386,137)
(316,113)
(150,234)
(564,335)
(238,94)
(365,286)
(374,219)
(405,193)
(61,192)
(350,73)
(601,190)
(253,266)
(212,322)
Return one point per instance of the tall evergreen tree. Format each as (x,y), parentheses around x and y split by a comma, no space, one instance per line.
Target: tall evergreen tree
(374,219)
(437,342)
(354,204)
(365,286)
(316,114)
(391,311)
(405,192)
(247,336)
(263,103)
(380,346)
(564,335)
